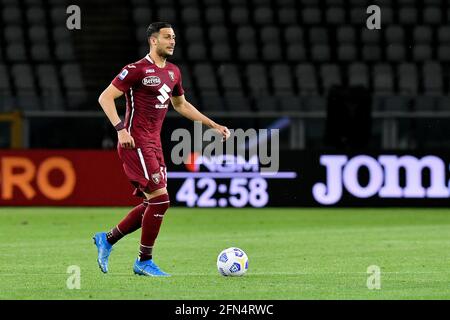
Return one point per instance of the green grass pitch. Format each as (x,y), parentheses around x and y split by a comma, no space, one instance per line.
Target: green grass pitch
(293,254)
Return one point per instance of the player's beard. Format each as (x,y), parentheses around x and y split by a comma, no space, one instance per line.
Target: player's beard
(163,53)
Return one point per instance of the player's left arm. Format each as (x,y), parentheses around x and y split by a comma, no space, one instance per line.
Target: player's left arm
(186,109)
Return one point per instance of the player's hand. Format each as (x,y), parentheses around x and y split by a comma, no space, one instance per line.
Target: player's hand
(224,132)
(125,139)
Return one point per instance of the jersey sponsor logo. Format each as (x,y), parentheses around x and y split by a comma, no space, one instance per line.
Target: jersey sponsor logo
(172,75)
(123,74)
(149,71)
(161,106)
(151,81)
(164,96)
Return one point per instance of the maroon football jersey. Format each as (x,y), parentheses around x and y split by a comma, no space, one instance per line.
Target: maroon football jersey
(148,89)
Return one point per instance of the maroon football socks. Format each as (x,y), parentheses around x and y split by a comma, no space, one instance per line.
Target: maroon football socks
(151,224)
(129,224)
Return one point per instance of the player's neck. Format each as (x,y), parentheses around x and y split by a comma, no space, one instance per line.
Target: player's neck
(158,60)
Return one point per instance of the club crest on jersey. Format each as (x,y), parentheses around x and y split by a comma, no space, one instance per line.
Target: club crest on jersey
(123,74)
(151,81)
(156,177)
(172,75)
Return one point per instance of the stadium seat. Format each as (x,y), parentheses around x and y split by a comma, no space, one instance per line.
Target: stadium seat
(212,2)
(184,3)
(263,16)
(383,79)
(346,35)
(271,52)
(50,87)
(293,34)
(371,53)
(290,103)
(311,16)
(11,15)
(422,52)
(306,79)
(296,53)
(425,103)
(256,79)
(245,34)
(335,16)
(35,16)
(16,52)
(142,15)
(205,78)
(239,16)
(432,15)
(64,52)
(407,16)
(167,14)
(314,103)
(422,34)
(358,16)
(236,101)
(211,102)
(394,34)
(330,76)
(40,52)
(287,16)
(221,52)
(287,3)
(190,16)
(248,52)
(397,103)
(186,76)
(218,34)
(395,53)
(230,79)
(196,52)
(432,78)
(281,79)
(320,53)
(61,34)
(58,15)
(266,103)
(358,74)
(407,78)
(370,37)
(270,34)
(25,88)
(444,34)
(194,34)
(215,16)
(444,53)
(38,34)
(443,103)
(347,53)
(13,34)
(318,35)
(74,85)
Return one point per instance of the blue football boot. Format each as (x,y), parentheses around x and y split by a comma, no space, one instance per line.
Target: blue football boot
(104,250)
(148,268)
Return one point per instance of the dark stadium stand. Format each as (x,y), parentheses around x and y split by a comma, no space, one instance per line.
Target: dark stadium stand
(235,55)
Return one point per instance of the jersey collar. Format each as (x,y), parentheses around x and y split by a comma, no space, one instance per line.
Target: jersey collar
(148,58)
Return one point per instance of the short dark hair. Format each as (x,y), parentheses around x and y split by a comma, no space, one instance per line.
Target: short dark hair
(155,27)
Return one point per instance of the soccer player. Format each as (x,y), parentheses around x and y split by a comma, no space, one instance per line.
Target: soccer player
(150,85)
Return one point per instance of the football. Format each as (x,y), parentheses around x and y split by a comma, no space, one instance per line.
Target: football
(232,262)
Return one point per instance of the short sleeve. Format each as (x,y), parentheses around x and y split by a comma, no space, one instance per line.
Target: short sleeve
(178,88)
(126,78)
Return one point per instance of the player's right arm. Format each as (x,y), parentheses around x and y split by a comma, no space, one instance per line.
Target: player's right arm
(107,102)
